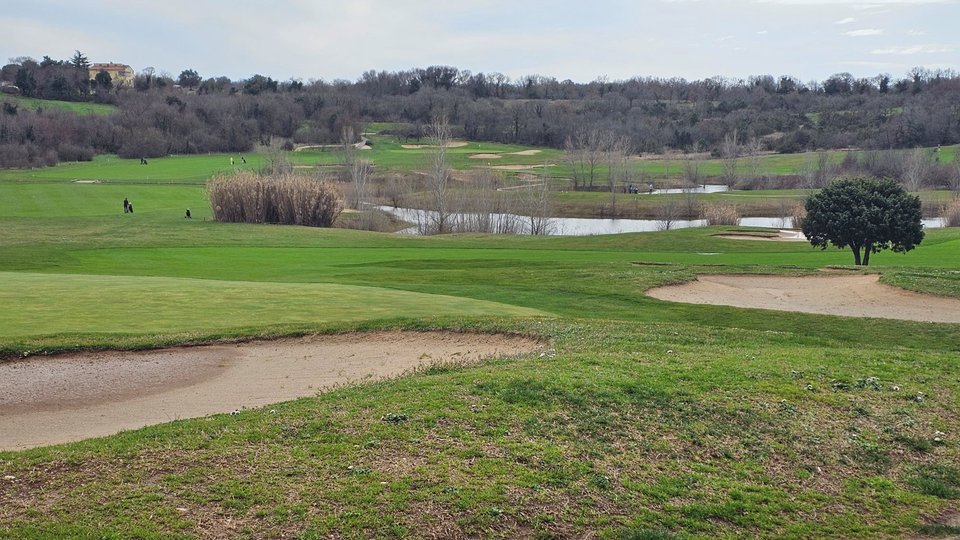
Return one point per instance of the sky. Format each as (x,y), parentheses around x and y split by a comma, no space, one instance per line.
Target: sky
(582,41)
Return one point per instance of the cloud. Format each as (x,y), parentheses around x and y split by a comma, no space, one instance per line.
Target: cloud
(914,49)
(916,32)
(763,32)
(864,32)
(848,20)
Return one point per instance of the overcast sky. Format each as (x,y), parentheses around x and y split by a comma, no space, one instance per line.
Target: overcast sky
(578,40)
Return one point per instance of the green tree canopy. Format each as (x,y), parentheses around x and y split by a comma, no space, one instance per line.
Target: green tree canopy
(80,61)
(104,80)
(867,215)
(189,79)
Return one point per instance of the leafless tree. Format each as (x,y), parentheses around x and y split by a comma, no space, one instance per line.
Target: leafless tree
(584,152)
(730,151)
(535,203)
(616,152)
(691,181)
(439,175)
(357,169)
(277,162)
(955,176)
(753,149)
(668,213)
(915,168)
(817,171)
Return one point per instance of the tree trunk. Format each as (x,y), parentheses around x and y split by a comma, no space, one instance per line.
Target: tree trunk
(856,254)
(866,253)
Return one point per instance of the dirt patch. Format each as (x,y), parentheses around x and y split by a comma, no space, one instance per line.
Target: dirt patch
(784,235)
(526,153)
(851,296)
(485,156)
(50,400)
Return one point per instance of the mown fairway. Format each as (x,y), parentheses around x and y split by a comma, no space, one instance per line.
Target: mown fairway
(647,420)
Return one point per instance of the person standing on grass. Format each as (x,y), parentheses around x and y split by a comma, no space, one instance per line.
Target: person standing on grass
(231,161)
(188,215)
(126,205)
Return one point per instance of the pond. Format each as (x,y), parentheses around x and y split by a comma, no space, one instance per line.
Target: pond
(591,226)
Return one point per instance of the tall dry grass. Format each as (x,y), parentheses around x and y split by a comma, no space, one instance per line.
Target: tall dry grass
(798,214)
(951,213)
(720,214)
(284,198)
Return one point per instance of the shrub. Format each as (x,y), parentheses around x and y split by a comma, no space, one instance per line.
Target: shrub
(284,199)
(720,214)
(951,213)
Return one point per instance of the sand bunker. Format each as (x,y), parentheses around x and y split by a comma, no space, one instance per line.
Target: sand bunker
(526,153)
(485,156)
(784,235)
(49,400)
(452,144)
(519,167)
(852,296)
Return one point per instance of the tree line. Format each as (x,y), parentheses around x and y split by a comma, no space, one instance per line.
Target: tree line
(158,114)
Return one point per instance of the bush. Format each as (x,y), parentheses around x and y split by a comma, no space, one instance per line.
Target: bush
(74,152)
(284,199)
(720,214)
(951,214)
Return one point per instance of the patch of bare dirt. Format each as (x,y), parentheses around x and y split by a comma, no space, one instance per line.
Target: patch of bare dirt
(50,400)
(851,296)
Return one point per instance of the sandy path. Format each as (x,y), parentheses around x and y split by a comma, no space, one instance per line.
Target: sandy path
(852,296)
(49,400)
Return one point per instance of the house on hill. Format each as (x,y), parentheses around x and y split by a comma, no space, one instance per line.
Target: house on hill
(119,73)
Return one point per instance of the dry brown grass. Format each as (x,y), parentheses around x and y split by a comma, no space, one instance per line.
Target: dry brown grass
(720,214)
(951,213)
(284,198)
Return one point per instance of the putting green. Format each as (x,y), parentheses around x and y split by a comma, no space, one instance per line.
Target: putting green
(46,304)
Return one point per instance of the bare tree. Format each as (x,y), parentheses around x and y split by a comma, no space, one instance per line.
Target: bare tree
(753,149)
(584,152)
(535,203)
(817,170)
(915,168)
(439,175)
(955,176)
(668,213)
(616,152)
(358,170)
(730,151)
(277,162)
(691,181)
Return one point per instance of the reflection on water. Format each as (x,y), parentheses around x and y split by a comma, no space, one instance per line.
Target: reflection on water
(590,226)
(705,188)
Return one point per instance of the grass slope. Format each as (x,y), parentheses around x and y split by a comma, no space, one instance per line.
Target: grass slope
(81,108)
(646,420)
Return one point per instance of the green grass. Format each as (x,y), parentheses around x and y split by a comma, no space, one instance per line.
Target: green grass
(81,108)
(647,419)
(75,304)
(388,154)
